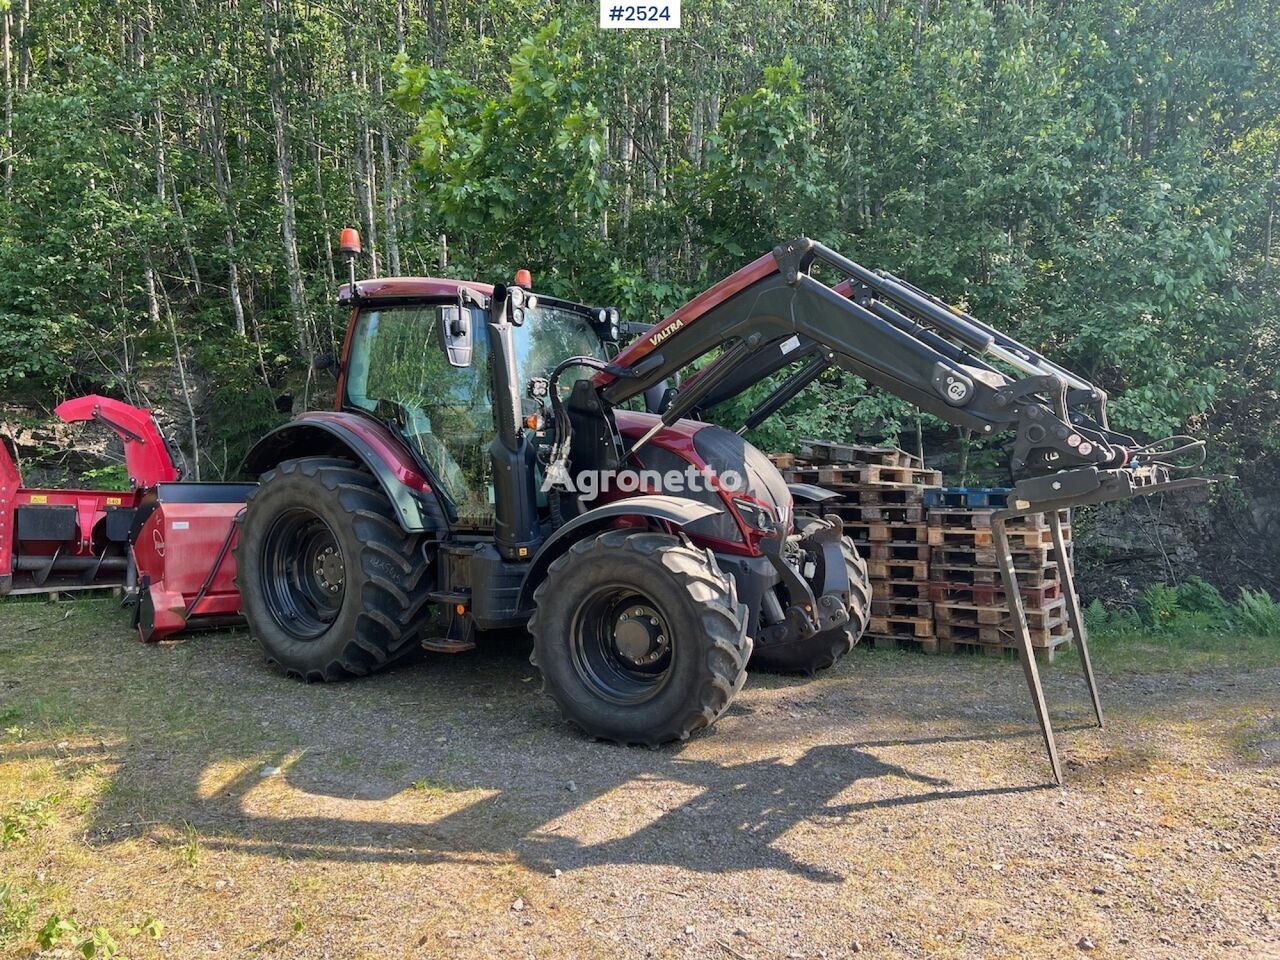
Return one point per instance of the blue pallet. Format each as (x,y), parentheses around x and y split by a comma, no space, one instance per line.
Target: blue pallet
(967,496)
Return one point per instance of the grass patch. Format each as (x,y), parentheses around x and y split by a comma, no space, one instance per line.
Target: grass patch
(20,820)
(433,788)
(1186,650)
(1188,626)
(16,908)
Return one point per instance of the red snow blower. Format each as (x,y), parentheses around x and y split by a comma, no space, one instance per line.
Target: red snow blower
(168,544)
(54,540)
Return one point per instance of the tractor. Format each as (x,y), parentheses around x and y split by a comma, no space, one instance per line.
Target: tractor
(499,458)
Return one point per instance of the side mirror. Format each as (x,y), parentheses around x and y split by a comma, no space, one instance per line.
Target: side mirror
(325,362)
(454,323)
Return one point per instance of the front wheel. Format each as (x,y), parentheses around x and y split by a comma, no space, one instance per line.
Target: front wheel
(639,637)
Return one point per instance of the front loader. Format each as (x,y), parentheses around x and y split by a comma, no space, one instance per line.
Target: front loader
(497,459)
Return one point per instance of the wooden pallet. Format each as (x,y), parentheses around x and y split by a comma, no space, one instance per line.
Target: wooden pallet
(881,495)
(849,475)
(900,607)
(786,461)
(911,626)
(971,614)
(990,594)
(892,551)
(962,573)
(898,570)
(881,532)
(1024,558)
(892,513)
(1045,654)
(825,452)
(894,641)
(899,589)
(968,536)
(968,497)
(979,518)
(882,512)
(1053,633)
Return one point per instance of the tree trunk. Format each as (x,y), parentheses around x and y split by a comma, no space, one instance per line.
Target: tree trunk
(8,103)
(390,223)
(154,299)
(284,173)
(24,48)
(222,183)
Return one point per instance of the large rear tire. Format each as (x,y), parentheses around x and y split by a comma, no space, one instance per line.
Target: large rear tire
(639,637)
(331,585)
(822,650)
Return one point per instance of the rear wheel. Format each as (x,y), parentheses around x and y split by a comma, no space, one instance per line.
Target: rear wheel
(822,650)
(639,637)
(331,585)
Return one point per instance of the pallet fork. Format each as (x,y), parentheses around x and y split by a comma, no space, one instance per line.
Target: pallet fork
(1111,485)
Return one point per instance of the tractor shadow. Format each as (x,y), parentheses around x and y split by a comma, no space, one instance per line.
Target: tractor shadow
(507,779)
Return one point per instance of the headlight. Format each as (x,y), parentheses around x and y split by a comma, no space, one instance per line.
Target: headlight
(757,515)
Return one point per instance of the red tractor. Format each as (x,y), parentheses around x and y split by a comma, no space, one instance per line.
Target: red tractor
(497,459)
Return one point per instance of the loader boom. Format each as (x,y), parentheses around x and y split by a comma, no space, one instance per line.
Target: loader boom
(774,312)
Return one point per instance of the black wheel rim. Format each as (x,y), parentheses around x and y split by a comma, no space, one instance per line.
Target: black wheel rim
(303,573)
(623,648)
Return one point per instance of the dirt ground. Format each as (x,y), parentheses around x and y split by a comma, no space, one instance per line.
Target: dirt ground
(191,803)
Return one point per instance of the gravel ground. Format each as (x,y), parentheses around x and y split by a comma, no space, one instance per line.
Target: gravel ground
(896,806)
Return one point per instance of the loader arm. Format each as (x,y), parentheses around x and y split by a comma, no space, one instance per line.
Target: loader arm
(774,312)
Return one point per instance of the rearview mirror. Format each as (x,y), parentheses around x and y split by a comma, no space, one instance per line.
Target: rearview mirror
(454,323)
(325,361)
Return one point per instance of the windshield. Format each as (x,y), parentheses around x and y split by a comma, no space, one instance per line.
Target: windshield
(397,370)
(551,334)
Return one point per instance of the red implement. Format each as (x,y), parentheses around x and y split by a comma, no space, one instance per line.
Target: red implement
(53,539)
(183,551)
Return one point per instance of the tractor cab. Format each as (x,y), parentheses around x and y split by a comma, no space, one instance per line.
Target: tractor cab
(425,357)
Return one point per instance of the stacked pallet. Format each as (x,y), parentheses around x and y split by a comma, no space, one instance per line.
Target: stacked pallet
(969,602)
(883,509)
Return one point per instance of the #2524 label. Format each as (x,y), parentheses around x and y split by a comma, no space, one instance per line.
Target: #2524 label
(622,16)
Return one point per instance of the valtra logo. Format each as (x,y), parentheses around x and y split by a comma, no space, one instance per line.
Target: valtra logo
(661,335)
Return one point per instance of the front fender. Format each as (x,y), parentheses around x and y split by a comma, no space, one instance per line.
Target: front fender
(677,511)
(328,434)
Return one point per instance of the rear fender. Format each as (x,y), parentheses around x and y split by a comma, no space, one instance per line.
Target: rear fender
(675,511)
(349,435)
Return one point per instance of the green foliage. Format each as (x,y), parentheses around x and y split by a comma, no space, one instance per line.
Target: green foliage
(114,476)
(54,929)
(189,851)
(1258,613)
(1101,180)
(490,164)
(16,907)
(1193,607)
(95,944)
(23,818)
